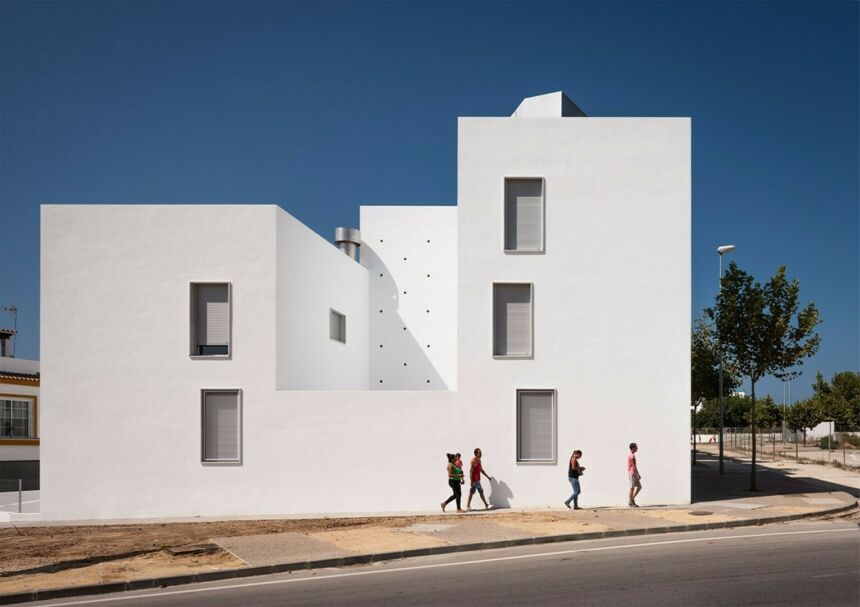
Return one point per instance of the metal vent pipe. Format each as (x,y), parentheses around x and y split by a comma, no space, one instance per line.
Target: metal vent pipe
(348,240)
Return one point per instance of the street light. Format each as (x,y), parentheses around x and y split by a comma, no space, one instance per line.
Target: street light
(722,250)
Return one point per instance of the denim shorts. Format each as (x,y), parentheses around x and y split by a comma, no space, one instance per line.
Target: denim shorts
(476,486)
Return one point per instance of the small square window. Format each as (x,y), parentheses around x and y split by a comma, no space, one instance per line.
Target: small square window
(337,326)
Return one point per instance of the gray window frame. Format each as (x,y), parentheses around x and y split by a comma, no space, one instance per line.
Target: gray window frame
(341,328)
(531,354)
(239,429)
(542,249)
(554,417)
(193,321)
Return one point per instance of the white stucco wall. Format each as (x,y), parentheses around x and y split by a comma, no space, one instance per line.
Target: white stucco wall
(314,277)
(411,256)
(611,295)
(121,430)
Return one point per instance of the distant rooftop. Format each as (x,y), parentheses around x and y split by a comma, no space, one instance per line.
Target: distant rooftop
(551,105)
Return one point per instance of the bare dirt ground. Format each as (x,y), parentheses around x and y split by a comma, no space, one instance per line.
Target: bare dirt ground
(49,557)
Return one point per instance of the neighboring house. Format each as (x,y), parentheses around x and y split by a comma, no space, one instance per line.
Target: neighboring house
(225,359)
(19,423)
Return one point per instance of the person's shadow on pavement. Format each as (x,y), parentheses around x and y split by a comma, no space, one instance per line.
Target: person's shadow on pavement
(500,494)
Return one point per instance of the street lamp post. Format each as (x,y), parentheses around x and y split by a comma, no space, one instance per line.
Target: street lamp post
(728,248)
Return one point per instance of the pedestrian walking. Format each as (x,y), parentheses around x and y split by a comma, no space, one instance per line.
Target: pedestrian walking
(574,471)
(633,475)
(455,479)
(476,469)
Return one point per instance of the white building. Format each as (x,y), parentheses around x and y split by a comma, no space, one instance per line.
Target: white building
(19,422)
(223,360)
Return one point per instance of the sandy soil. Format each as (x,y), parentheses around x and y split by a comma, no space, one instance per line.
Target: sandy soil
(145,566)
(376,539)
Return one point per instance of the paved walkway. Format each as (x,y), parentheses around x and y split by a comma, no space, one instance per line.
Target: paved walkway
(785,489)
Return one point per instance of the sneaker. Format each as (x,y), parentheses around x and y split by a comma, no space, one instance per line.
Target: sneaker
(633,505)
(576,508)
(567,504)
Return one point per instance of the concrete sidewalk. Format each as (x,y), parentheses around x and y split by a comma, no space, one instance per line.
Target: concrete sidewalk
(786,492)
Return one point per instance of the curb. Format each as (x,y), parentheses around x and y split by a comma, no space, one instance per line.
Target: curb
(364,559)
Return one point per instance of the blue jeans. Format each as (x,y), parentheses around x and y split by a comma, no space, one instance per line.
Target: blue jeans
(574,483)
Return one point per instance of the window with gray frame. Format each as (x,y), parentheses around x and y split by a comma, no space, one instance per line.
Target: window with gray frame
(210,319)
(337,326)
(535,425)
(512,320)
(17,418)
(524,224)
(222,426)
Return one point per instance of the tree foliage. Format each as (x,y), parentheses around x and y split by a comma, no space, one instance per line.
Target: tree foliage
(804,415)
(839,399)
(705,365)
(762,329)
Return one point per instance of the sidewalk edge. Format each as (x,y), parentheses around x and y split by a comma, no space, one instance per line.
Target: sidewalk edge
(363,559)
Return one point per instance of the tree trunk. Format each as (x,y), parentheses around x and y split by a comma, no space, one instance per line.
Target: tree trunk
(752,429)
(842,439)
(796,456)
(694,434)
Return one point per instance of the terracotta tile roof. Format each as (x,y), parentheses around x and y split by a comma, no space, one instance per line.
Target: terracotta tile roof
(33,377)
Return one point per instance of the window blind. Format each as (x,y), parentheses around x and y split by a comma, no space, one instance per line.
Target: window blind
(220,426)
(512,320)
(524,214)
(535,421)
(213,315)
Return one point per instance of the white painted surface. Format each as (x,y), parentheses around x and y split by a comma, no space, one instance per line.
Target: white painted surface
(313,277)
(611,297)
(18,365)
(411,257)
(551,105)
(12,453)
(611,336)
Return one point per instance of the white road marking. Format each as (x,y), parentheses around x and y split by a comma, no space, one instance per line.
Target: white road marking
(441,565)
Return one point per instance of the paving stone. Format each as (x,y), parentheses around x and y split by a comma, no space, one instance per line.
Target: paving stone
(275,548)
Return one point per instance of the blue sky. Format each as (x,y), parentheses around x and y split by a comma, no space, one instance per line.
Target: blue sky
(323,107)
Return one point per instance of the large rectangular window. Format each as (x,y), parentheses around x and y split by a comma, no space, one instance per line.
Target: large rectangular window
(524,224)
(337,326)
(17,417)
(535,425)
(222,426)
(210,319)
(512,320)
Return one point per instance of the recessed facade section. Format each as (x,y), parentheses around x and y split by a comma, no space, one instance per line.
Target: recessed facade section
(210,319)
(512,320)
(221,426)
(524,215)
(337,326)
(536,426)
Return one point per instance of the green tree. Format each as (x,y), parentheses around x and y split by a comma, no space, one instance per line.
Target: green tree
(839,400)
(763,331)
(802,416)
(705,371)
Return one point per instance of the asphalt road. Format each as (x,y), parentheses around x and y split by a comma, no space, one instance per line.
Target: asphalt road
(800,564)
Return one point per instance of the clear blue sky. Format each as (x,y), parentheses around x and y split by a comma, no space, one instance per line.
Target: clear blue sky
(323,107)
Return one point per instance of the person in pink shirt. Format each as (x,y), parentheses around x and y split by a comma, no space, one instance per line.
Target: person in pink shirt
(633,475)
